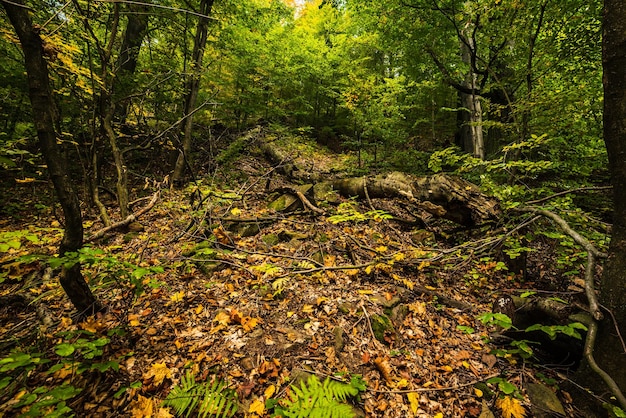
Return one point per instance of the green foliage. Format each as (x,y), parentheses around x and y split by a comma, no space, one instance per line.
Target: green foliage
(320,399)
(496,319)
(191,398)
(110,270)
(45,401)
(505,387)
(348,212)
(570,330)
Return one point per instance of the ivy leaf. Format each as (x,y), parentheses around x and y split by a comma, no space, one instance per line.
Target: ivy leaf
(64,349)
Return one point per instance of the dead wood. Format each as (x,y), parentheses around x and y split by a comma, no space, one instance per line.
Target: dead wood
(124,222)
(440,195)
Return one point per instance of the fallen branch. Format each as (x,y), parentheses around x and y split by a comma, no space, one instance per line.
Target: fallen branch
(129,219)
(592,253)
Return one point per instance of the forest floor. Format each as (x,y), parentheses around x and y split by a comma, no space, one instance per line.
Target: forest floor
(210,281)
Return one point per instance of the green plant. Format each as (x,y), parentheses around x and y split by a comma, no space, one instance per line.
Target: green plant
(110,269)
(347,212)
(319,399)
(41,401)
(190,398)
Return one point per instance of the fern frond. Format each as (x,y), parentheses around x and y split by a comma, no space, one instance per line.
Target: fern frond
(201,399)
(320,400)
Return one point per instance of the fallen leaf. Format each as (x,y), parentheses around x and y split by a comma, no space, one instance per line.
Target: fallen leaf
(177,297)
(158,372)
(257,407)
(511,407)
(141,407)
(414,401)
(271,389)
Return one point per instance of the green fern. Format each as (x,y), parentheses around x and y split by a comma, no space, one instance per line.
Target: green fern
(202,399)
(315,399)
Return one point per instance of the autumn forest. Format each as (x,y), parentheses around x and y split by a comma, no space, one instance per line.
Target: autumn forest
(312,208)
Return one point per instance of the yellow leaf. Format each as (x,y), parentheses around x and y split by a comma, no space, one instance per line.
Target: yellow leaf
(249,324)
(222,318)
(381,249)
(141,407)
(466,365)
(438,415)
(25,180)
(402,383)
(478,392)
(423,265)
(368,269)
(235,211)
(163,413)
(307,308)
(158,371)
(365,292)
(269,391)
(177,297)
(414,401)
(446,368)
(257,407)
(399,256)
(321,300)
(511,407)
(133,320)
(199,309)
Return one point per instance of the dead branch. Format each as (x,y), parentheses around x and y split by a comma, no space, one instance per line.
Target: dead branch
(129,219)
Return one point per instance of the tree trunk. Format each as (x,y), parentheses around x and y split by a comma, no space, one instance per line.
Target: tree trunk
(472,131)
(192,88)
(45,119)
(136,30)
(609,352)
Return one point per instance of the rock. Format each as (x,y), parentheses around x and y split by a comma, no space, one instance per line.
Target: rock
(544,402)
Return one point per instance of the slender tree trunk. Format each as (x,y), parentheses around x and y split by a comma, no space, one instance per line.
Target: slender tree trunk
(136,30)
(473,129)
(45,119)
(609,351)
(192,88)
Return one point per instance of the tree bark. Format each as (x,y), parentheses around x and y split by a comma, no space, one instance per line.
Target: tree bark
(136,30)
(192,87)
(609,351)
(45,119)
(472,131)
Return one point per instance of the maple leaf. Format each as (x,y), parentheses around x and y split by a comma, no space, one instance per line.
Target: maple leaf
(158,371)
(511,407)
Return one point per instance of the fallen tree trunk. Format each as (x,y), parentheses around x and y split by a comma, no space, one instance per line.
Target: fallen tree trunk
(441,195)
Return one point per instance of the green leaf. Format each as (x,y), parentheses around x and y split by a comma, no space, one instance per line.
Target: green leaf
(64,349)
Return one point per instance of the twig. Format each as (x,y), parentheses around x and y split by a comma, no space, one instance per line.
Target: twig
(457,387)
(581,189)
(617,331)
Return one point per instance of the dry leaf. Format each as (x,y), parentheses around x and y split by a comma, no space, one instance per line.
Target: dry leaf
(271,389)
(511,407)
(177,297)
(158,371)
(257,407)
(141,407)
(414,401)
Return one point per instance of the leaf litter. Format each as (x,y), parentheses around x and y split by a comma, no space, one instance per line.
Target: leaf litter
(301,294)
